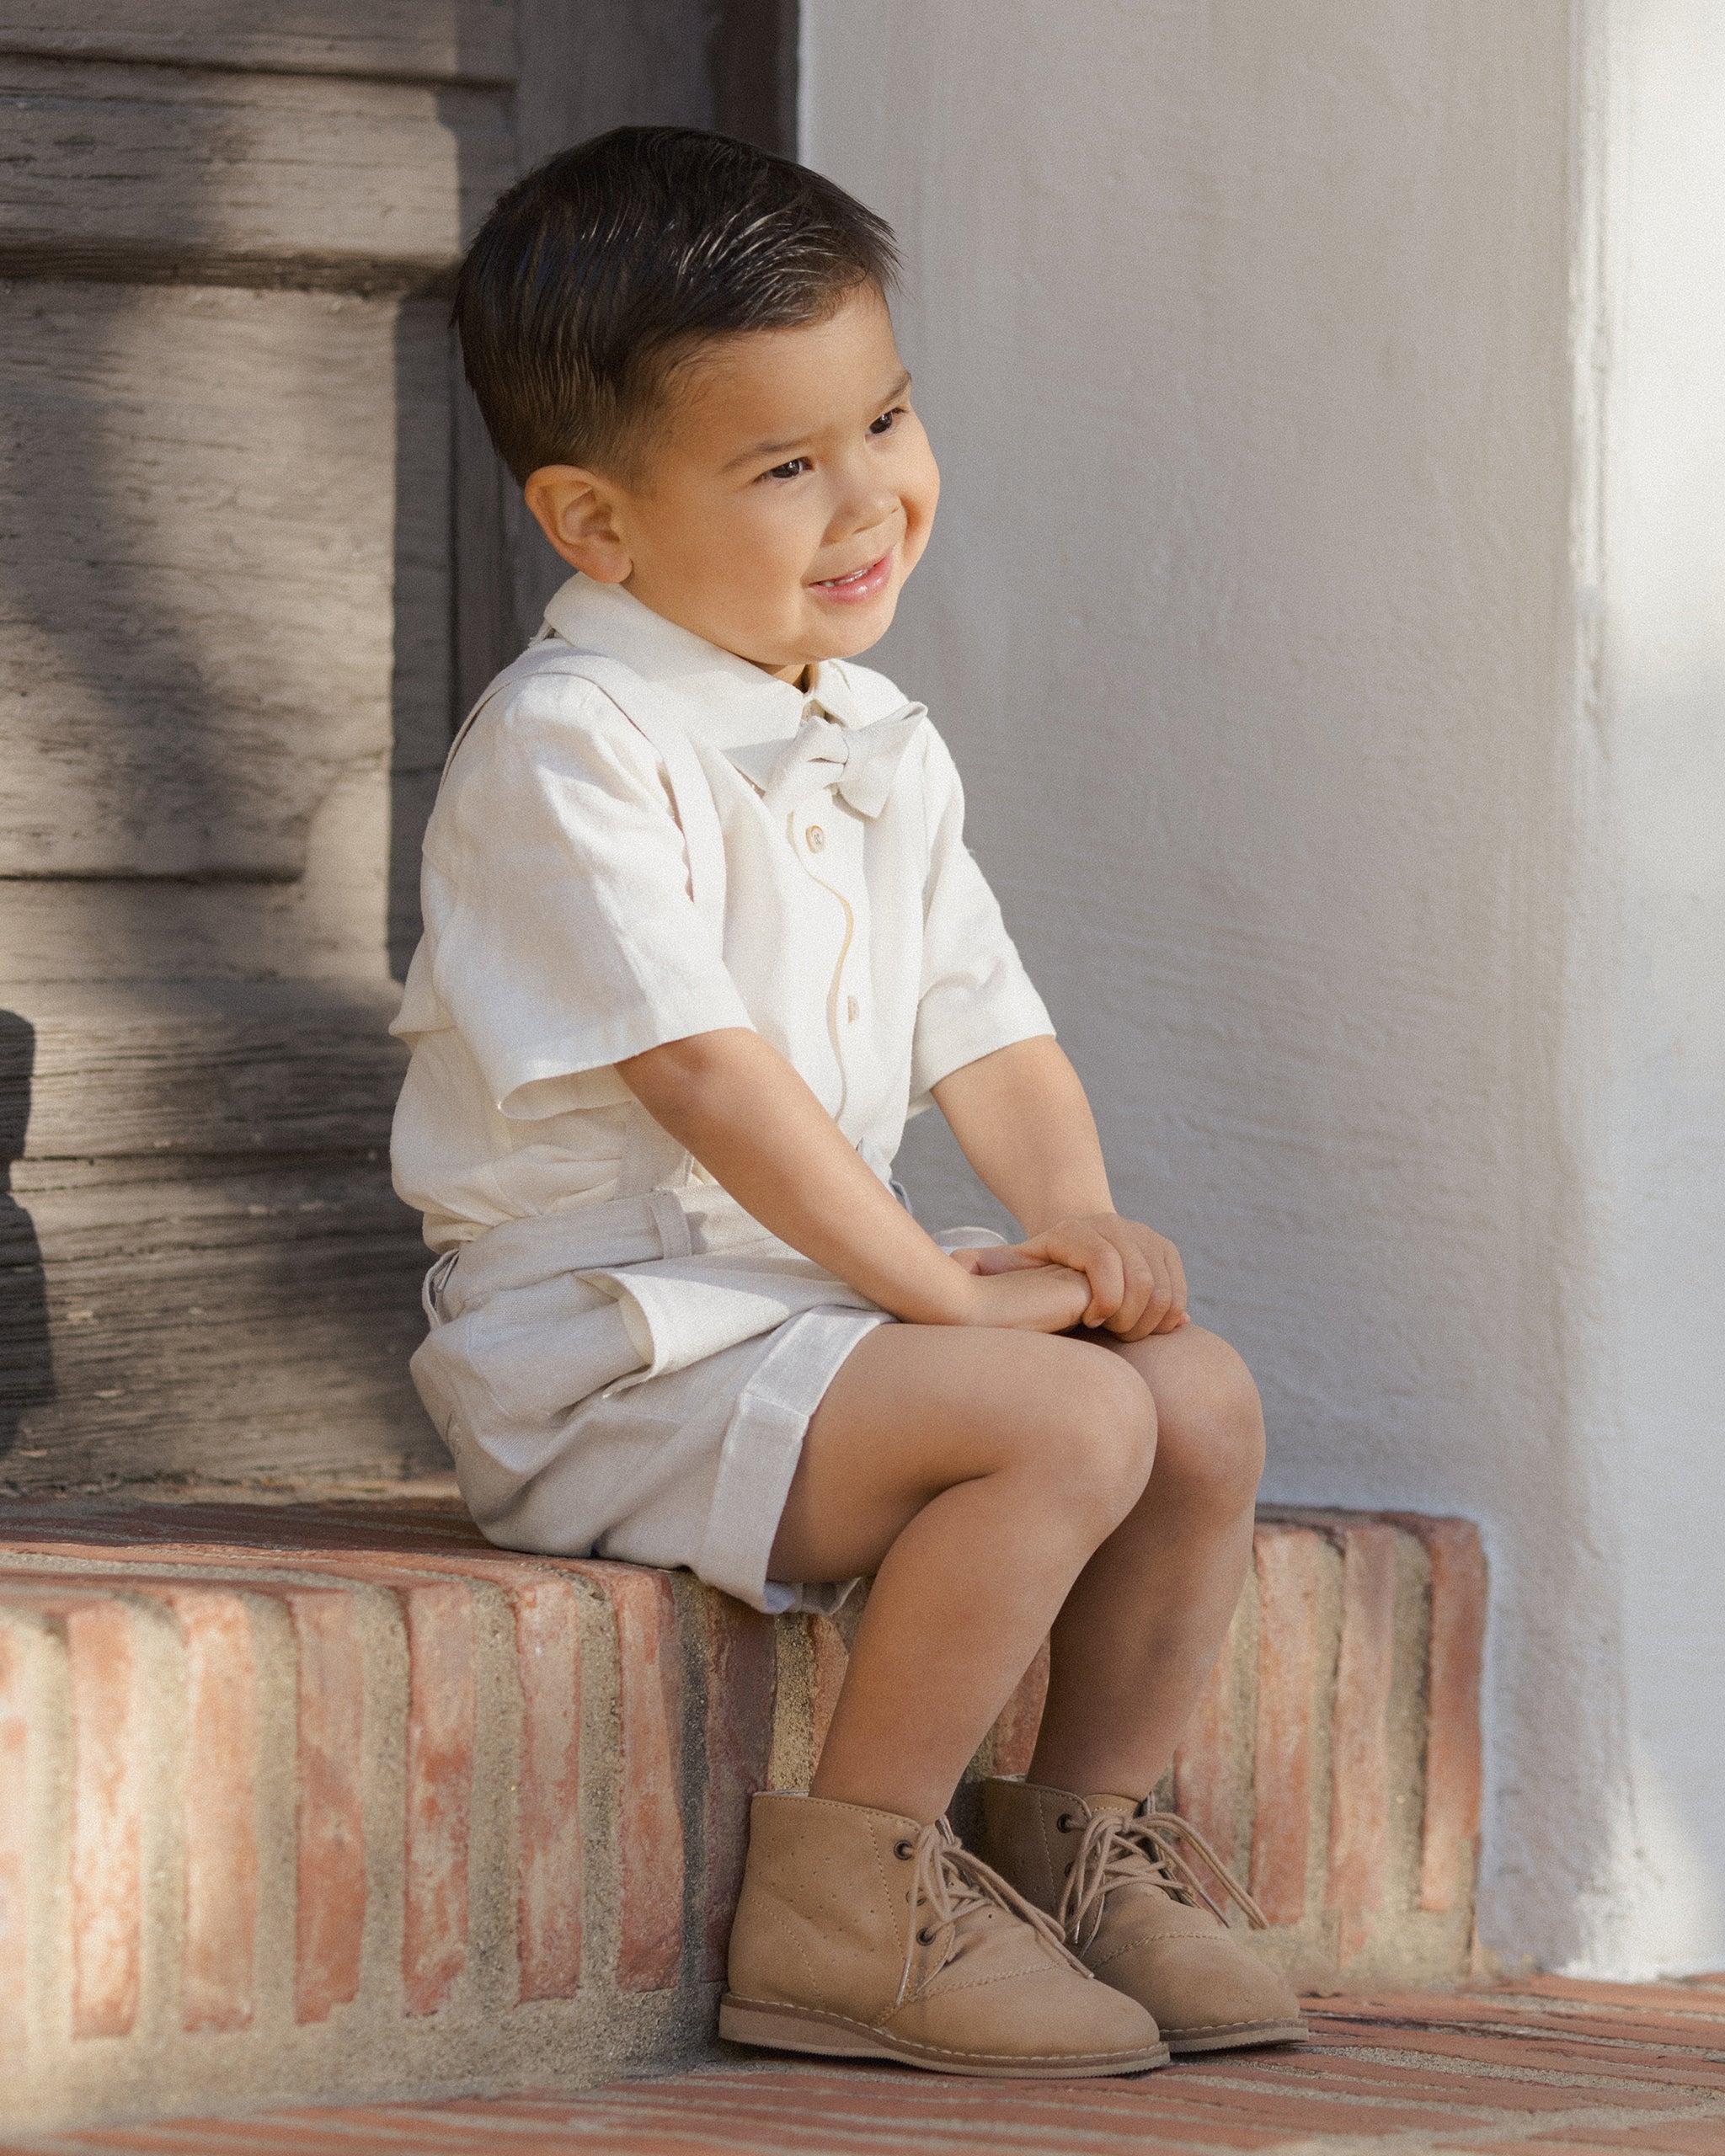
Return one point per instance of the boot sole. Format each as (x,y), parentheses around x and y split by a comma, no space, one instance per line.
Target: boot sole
(774,2028)
(1238,2035)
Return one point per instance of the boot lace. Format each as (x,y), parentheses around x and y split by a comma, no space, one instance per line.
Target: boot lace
(1117,1848)
(951,1885)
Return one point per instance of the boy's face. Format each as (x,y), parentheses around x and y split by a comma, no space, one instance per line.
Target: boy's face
(785,496)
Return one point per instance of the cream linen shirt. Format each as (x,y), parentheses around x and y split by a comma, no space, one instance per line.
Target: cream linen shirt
(561,937)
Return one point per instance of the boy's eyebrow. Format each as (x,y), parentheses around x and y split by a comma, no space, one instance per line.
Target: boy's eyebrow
(778,448)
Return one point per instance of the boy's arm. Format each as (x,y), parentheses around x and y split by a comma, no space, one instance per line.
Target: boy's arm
(1025,1125)
(753,1123)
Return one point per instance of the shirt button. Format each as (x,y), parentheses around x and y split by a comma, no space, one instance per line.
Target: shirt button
(815,838)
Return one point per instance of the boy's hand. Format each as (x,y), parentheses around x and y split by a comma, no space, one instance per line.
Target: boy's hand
(1137,1282)
(1030,1298)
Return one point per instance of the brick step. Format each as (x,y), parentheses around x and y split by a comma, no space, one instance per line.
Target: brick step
(331,1797)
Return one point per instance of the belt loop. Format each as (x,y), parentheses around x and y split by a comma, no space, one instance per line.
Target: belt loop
(671,1222)
(435,1281)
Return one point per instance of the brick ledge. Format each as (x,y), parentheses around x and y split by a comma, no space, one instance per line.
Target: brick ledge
(310,1798)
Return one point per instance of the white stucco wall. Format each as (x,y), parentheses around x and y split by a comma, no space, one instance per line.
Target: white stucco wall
(1327,613)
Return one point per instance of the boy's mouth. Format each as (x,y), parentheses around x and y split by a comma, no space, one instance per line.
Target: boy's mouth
(866,583)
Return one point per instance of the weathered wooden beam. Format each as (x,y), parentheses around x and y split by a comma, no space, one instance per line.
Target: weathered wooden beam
(409,40)
(219,1322)
(224,558)
(151,173)
(144,1070)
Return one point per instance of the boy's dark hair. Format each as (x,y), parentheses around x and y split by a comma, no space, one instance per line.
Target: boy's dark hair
(595,276)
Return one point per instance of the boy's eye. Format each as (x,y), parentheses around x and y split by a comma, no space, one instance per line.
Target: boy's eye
(884,424)
(793,469)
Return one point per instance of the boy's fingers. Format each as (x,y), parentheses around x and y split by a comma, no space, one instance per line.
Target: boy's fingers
(1141,1287)
(1164,1309)
(1159,1307)
(1106,1275)
(989,1258)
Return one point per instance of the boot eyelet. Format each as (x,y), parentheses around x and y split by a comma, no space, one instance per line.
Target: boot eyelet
(1063,1825)
(1067,1873)
(904,1851)
(925,1939)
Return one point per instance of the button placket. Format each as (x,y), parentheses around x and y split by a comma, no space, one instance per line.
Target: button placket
(835,873)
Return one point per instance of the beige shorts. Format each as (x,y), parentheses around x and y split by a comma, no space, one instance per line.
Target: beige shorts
(633,1380)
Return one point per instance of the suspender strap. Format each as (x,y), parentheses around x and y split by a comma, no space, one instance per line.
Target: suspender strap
(652,709)
(652,1162)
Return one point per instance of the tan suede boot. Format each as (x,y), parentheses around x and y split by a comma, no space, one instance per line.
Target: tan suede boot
(1115,1875)
(861,1934)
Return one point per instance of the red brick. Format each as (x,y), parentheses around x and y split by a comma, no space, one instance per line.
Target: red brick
(1562,2145)
(1288,1558)
(1016,1731)
(108,1749)
(1620,2064)
(1694,2138)
(1669,2034)
(1489,2091)
(1206,1787)
(439,1786)
(1313,2112)
(330,1833)
(1507,2006)
(649,1815)
(220,1808)
(876,2109)
(1454,1766)
(1682,1995)
(1360,1734)
(826,1645)
(785,2114)
(15,1847)
(376,1548)
(742,1674)
(1241,2101)
(548,1619)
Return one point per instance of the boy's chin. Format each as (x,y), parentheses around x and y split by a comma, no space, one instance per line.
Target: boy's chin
(843,639)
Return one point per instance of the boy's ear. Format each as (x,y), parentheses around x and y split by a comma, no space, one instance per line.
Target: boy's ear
(576,511)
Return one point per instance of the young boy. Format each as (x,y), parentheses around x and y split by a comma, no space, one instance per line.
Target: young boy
(701,931)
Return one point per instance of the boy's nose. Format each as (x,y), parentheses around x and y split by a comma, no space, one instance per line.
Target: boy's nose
(864,510)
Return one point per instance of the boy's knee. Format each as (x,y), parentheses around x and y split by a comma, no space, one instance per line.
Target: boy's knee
(1106,1441)
(1212,1443)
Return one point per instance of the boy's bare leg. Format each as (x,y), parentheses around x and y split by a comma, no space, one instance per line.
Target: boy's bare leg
(1136,1637)
(975,1472)
(996,1480)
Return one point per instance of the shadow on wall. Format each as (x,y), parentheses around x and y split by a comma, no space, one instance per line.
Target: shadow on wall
(26,1358)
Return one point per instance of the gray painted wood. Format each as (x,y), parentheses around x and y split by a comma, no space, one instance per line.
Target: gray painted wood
(223,570)
(202,1267)
(172,173)
(425,41)
(752,50)
(321,927)
(186,1070)
(221,1324)
(255,557)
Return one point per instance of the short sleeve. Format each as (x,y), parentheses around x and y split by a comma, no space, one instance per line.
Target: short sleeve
(557,891)
(975,995)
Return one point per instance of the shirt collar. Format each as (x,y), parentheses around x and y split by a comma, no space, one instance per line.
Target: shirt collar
(737,702)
